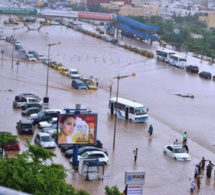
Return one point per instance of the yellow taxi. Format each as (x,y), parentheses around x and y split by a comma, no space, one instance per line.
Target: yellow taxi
(91,84)
(58,66)
(64,71)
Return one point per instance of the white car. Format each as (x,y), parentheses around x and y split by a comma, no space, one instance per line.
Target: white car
(177,152)
(101,156)
(31,58)
(44,140)
(48,123)
(50,130)
(41,57)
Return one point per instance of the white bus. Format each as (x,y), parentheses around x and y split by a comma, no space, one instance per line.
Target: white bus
(128,110)
(164,54)
(178,60)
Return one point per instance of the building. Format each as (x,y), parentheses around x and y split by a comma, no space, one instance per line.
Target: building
(208,17)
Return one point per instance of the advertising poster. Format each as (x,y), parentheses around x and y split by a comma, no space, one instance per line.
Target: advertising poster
(135,190)
(77,128)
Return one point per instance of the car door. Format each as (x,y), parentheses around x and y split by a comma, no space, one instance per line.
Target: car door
(170,151)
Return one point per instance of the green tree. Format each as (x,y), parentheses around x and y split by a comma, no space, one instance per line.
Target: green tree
(112,190)
(34,172)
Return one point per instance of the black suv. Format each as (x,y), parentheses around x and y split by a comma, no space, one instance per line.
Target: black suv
(30,105)
(44,115)
(66,147)
(25,126)
(192,69)
(205,75)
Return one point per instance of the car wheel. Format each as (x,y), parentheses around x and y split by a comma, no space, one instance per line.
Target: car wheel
(175,159)
(11,149)
(164,152)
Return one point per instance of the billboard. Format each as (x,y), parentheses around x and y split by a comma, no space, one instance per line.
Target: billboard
(134,177)
(60,13)
(26,11)
(94,16)
(77,128)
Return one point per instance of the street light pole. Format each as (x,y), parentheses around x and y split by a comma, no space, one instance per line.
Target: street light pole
(14,29)
(47,78)
(116,104)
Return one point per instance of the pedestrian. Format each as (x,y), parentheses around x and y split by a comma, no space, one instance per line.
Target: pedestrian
(135,154)
(150,131)
(175,142)
(185,146)
(209,169)
(192,186)
(198,182)
(199,167)
(196,171)
(185,137)
(203,163)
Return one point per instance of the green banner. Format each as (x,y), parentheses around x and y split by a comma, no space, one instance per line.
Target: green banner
(25,11)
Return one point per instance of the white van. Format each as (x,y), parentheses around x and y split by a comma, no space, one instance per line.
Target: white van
(73,73)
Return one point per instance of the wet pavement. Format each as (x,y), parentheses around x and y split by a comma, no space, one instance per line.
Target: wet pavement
(155,86)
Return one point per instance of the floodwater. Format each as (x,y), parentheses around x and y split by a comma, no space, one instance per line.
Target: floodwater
(155,86)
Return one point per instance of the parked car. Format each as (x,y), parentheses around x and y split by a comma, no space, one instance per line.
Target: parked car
(44,115)
(79,84)
(114,41)
(50,130)
(97,144)
(30,111)
(107,38)
(120,43)
(69,153)
(177,152)
(44,140)
(17,103)
(205,75)
(59,66)
(31,57)
(89,83)
(40,56)
(30,20)
(48,123)
(46,61)
(25,126)
(18,47)
(26,105)
(34,53)
(192,69)
(99,155)
(12,146)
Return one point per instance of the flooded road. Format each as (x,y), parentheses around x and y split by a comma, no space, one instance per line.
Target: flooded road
(155,86)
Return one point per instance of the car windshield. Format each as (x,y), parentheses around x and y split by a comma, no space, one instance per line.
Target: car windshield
(178,150)
(74,72)
(84,155)
(46,139)
(140,111)
(41,114)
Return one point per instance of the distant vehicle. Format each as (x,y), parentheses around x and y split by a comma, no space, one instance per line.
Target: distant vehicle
(30,111)
(73,73)
(34,53)
(114,41)
(46,61)
(18,47)
(64,71)
(40,57)
(177,60)
(120,43)
(12,146)
(31,57)
(17,103)
(2,37)
(176,152)
(27,105)
(25,126)
(90,84)
(192,69)
(107,38)
(79,84)
(30,20)
(50,130)
(164,54)
(21,95)
(97,144)
(48,123)
(205,75)
(58,66)
(99,155)
(69,153)
(44,115)
(13,21)
(128,110)
(44,140)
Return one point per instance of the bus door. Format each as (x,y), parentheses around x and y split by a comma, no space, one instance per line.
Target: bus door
(111,108)
(126,113)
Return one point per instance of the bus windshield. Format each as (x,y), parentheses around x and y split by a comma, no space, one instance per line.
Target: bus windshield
(140,111)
